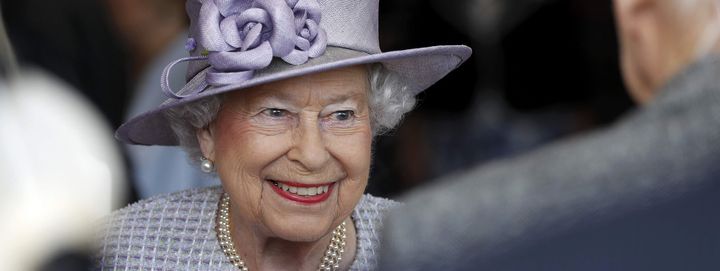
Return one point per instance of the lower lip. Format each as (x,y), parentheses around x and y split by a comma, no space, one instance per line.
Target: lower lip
(302,199)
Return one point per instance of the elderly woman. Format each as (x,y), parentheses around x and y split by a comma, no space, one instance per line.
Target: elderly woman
(282,101)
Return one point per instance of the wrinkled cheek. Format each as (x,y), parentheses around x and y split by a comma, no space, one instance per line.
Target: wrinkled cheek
(359,167)
(244,187)
(349,193)
(249,182)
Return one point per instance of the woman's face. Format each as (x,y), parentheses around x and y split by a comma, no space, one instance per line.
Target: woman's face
(278,147)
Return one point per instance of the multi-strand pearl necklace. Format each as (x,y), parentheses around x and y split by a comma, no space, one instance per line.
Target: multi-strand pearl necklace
(330,262)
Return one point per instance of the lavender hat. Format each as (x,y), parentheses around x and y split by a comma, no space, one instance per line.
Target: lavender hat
(236,44)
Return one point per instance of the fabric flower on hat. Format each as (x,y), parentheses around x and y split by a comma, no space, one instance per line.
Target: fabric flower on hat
(243,36)
(238,37)
(311,39)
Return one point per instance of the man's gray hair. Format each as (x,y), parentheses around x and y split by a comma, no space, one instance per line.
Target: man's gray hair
(693,12)
(388,100)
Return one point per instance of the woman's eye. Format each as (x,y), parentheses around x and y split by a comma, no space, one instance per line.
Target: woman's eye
(275,112)
(344,115)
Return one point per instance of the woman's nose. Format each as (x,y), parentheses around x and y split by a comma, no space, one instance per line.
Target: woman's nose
(309,148)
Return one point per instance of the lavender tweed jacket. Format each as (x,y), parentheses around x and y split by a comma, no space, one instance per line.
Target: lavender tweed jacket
(177,232)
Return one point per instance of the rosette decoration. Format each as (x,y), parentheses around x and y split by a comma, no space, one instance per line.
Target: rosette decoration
(311,39)
(242,36)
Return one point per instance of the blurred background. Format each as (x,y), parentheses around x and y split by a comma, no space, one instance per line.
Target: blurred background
(541,71)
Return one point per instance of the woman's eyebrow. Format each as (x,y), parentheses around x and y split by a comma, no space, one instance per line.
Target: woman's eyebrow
(289,97)
(340,98)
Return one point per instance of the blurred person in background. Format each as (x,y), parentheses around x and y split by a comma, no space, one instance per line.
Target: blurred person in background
(154,33)
(540,71)
(59,170)
(59,174)
(282,102)
(75,42)
(641,194)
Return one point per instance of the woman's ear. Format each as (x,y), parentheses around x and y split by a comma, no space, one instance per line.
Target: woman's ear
(206,141)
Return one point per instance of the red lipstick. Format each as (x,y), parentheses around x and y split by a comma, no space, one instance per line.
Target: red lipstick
(303,199)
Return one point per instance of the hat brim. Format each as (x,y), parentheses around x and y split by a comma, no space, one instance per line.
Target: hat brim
(419,68)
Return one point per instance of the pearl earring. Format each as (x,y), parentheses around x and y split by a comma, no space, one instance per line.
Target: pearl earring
(206,165)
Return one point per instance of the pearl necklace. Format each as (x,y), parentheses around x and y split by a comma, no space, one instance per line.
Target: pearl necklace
(330,262)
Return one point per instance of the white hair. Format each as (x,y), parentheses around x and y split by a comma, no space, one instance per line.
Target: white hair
(388,100)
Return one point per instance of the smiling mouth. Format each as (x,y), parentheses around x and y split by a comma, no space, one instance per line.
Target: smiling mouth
(303,193)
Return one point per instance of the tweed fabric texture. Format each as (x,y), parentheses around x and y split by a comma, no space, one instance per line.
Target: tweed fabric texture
(177,232)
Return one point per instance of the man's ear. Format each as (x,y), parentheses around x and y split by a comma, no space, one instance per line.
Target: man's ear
(639,33)
(635,15)
(206,140)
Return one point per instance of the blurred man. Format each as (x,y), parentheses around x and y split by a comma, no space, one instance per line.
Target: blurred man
(154,33)
(640,195)
(147,27)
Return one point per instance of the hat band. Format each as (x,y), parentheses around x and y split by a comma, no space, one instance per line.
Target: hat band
(198,86)
(209,77)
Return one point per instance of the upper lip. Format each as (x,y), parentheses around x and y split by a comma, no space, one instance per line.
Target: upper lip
(297,184)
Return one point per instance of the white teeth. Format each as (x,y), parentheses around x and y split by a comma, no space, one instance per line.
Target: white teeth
(303,191)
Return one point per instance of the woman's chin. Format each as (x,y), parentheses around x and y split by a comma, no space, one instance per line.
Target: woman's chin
(302,233)
(292,220)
